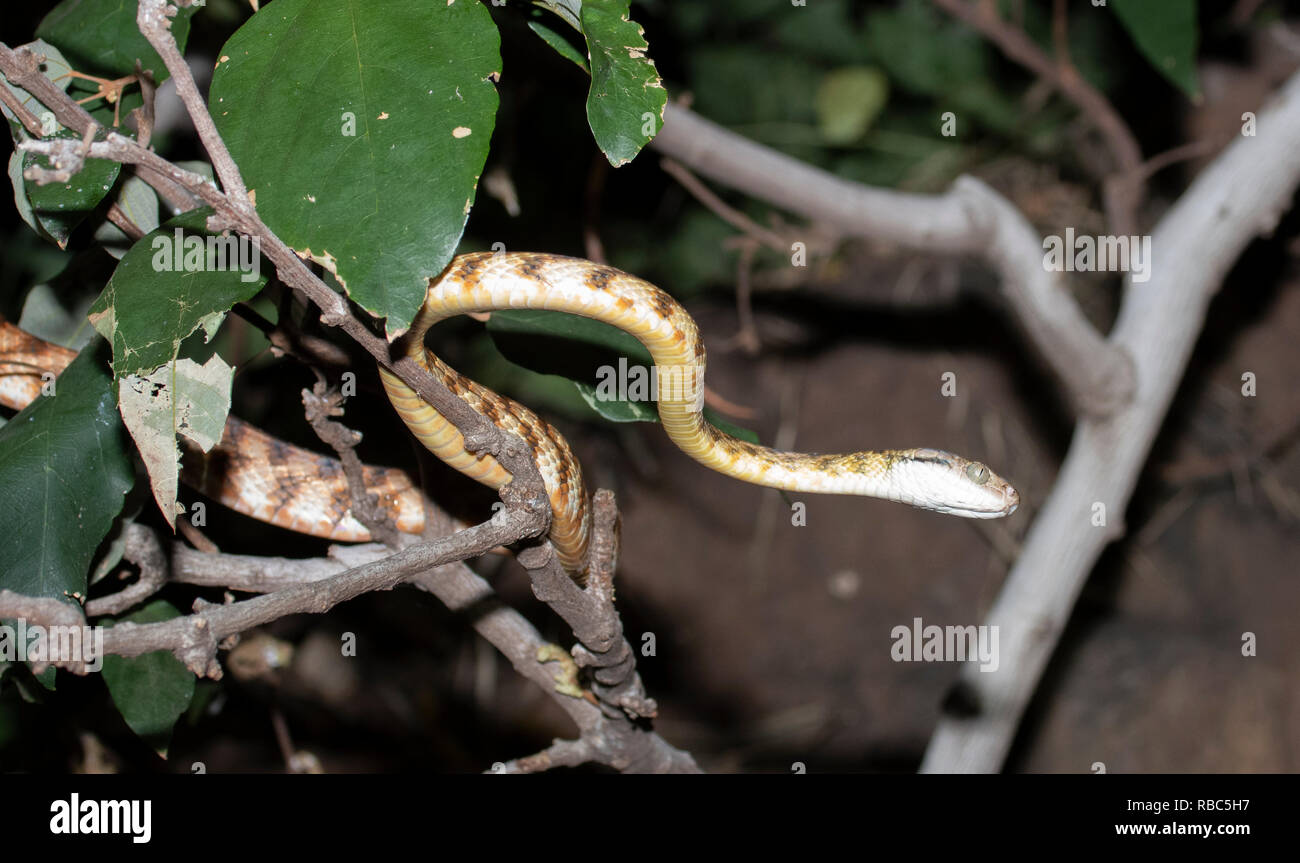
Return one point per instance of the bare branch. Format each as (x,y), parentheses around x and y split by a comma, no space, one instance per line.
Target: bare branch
(44,611)
(971,219)
(144,550)
(30,121)
(153,19)
(321,403)
(1241,195)
(193,639)
(721,209)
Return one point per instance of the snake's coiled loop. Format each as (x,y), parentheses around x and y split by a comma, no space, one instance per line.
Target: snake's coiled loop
(488,281)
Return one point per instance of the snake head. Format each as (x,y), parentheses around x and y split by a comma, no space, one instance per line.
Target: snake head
(941,481)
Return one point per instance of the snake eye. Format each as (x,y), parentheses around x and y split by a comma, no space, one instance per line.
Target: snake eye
(977,473)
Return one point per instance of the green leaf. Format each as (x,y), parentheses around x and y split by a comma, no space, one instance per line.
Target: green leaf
(625,105)
(618,410)
(562,46)
(47,678)
(151,691)
(55,209)
(60,207)
(101,37)
(64,469)
(568,10)
(1166,33)
(362,128)
(21,203)
(58,315)
(171,282)
(587,332)
(31,688)
(848,101)
(551,395)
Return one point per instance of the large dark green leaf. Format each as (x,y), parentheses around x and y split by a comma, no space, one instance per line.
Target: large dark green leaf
(1166,33)
(151,691)
(101,38)
(362,128)
(156,298)
(64,468)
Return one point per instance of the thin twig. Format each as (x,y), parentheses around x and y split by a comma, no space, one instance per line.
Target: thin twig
(320,404)
(1122,193)
(747,336)
(143,549)
(721,208)
(30,121)
(153,17)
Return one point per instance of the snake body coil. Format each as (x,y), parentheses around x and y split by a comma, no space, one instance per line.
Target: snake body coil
(483,282)
(274,481)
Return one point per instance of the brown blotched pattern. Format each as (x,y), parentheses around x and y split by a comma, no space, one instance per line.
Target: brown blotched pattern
(294,488)
(249,471)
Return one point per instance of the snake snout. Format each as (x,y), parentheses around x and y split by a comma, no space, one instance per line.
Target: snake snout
(1011,497)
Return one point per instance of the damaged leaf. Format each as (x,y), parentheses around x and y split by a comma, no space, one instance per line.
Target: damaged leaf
(181,399)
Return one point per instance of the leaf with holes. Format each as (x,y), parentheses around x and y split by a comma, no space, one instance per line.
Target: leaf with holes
(362,129)
(180,399)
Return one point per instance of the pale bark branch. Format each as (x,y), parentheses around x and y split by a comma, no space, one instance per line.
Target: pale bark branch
(972,219)
(1241,195)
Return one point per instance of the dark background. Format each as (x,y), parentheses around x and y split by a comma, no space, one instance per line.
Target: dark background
(773,640)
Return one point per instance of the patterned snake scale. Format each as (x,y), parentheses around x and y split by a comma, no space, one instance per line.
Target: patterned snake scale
(273,481)
(249,471)
(487,281)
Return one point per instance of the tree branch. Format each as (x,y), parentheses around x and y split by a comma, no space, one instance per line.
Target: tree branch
(971,219)
(606,737)
(1241,195)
